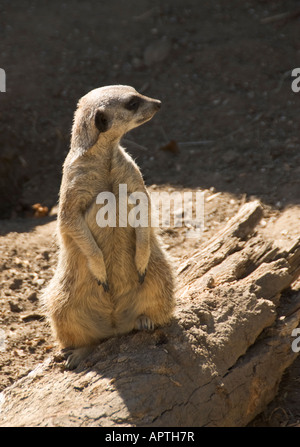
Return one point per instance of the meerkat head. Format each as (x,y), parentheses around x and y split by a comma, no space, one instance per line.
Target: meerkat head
(107,113)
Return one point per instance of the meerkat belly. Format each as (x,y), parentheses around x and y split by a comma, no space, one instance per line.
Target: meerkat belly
(86,306)
(117,244)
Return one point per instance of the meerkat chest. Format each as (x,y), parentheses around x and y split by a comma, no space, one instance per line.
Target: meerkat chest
(113,184)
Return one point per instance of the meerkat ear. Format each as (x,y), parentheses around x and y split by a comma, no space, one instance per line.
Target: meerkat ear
(102,121)
(85,135)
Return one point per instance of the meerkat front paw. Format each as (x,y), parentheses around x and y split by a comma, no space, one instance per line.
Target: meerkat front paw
(104,285)
(144,323)
(141,263)
(75,356)
(98,269)
(141,270)
(142,276)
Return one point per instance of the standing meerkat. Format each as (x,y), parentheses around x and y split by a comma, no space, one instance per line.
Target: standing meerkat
(113,279)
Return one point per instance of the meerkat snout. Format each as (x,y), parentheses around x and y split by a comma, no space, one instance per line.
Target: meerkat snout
(157,104)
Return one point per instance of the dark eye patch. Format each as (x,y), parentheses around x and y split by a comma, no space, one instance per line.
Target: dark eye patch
(133,104)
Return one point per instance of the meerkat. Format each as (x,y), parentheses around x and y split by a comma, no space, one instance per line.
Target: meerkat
(109,280)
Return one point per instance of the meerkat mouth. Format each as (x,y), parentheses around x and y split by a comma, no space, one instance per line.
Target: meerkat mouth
(142,120)
(145,118)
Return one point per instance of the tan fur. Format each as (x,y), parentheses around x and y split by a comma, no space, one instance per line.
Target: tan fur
(81,311)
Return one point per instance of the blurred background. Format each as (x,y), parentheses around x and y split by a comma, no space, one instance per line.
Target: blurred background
(221,69)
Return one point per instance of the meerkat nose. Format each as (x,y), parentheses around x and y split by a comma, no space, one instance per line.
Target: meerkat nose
(157,104)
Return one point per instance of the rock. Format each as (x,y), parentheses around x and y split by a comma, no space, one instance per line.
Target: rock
(14,307)
(230,156)
(16,284)
(33,297)
(157,52)
(40,282)
(33,316)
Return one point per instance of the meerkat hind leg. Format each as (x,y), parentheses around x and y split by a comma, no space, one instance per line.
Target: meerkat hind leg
(144,322)
(75,356)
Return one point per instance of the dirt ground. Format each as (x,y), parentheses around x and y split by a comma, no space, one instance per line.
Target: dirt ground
(223,74)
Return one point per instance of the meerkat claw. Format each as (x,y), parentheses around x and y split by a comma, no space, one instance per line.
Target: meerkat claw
(144,323)
(142,276)
(75,356)
(104,285)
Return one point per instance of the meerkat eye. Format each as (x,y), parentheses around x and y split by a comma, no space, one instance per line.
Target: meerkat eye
(133,103)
